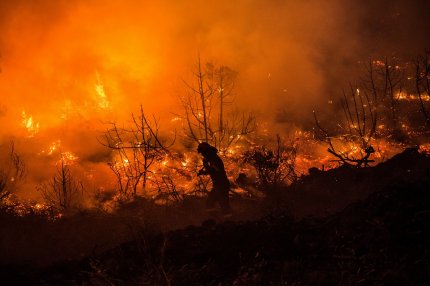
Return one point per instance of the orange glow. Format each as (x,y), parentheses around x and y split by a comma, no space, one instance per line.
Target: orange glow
(70,67)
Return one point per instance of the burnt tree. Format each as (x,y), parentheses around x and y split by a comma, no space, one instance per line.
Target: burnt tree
(12,172)
(209,111)
(135,148)
(356,130)
(383,83)
(422,83)
(63,192)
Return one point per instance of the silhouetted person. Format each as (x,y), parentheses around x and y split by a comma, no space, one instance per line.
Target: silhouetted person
(214,167)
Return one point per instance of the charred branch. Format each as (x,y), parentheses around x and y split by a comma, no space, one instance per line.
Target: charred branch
(209,114)
(274,166)
(63,192)
(422,83)
(135,151)
(358,127)
(12,172)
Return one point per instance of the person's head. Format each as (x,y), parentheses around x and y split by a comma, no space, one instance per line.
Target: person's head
(206,149)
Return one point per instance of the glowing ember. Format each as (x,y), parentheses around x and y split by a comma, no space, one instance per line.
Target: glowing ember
(185,162)
(38,206)
(412,97)
(424,148)
(379,63)
(176,118)
(68,158)
(54,147)
(165,162)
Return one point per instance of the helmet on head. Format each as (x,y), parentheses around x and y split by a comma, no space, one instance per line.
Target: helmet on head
(205,149)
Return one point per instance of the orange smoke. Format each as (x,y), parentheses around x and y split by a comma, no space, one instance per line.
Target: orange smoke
(67,67)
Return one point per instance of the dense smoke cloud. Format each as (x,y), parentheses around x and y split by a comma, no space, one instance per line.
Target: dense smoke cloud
(70,64)
(285,52)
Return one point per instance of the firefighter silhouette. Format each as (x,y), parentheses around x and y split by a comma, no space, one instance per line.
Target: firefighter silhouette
(214,167)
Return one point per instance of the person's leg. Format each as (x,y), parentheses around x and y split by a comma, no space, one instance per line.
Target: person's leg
(224,202)
(211,200)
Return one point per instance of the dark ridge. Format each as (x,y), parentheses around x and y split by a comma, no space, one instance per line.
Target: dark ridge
(381,240)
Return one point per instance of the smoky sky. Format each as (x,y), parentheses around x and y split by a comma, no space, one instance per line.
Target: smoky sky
(373,30)
(71,65)
(289,55)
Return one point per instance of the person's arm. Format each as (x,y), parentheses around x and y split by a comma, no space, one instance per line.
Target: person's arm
(207,168)
(204,169)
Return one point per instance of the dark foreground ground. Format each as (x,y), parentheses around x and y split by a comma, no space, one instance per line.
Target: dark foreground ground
(383,238)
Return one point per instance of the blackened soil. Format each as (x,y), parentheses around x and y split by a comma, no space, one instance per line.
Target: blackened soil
(382,239)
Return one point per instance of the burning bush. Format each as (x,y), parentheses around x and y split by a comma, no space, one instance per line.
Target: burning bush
(136,149)
(274,166)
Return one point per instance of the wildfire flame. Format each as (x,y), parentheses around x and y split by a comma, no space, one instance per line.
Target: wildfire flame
(103,102)
(28,123)
(425,148)
(68,158)
(54,146)
(412,97)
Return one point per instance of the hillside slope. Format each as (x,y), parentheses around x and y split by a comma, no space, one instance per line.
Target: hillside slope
(381,240)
